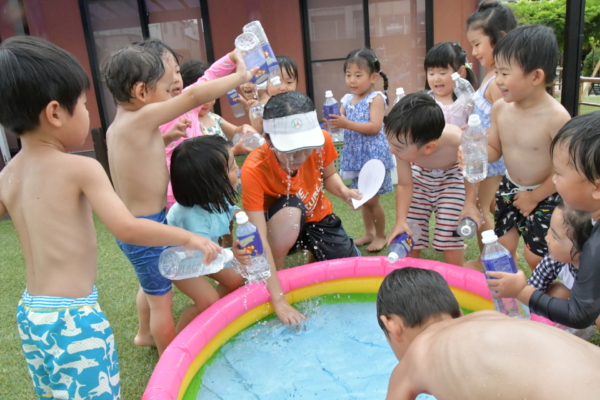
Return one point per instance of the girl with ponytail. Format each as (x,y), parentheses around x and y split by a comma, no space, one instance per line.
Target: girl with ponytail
(362,120)
(441,61)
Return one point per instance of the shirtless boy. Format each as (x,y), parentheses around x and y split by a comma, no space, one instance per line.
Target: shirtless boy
(50,195)
(140,82)
(426,150)
(484,355)
(523,124)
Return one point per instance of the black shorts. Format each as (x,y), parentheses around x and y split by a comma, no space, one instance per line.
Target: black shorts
(534,227)
(325,239)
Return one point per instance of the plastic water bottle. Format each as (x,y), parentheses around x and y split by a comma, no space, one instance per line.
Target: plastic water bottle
(332,107)
(272,65)
(249,47)
(236,106)
(180,263)
(251,140)
(495,257)
(399,95)
(464,92)
(404,243)
(259,269)
(475,150)
(467,228)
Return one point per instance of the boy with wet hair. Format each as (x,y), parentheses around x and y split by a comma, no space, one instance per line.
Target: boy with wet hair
(140,79)
(478,356)
(523,124)
(429,179)
(68,343)
(575,153)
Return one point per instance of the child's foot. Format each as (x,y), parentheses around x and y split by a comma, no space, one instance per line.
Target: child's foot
(363,240)
(377,244)
(475,264)
(144,340)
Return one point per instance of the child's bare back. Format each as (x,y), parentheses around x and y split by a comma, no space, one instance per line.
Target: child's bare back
(487,355)
(525,135)
(138,167)
(446,153)
(42,189)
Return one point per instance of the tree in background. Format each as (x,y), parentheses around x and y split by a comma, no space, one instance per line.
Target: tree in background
(552,13)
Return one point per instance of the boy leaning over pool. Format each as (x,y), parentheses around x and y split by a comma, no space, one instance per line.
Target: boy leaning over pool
(479,356)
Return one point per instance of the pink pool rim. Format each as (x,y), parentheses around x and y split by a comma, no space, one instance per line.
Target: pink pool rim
(173,365)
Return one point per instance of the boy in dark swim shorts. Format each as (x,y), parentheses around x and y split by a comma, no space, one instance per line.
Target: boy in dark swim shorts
(534,227)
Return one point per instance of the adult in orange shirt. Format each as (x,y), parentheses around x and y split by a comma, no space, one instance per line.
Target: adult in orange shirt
(282,191)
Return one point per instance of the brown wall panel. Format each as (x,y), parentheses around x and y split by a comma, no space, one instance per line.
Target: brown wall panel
(281,21)
(450,18)
(59,22)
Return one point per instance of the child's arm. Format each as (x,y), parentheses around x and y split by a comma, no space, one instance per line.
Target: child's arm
(257,123)
(373,127)
(139,231)
(494,145)
(176,130)
(404,193)
(230,129)
(579,311)
(286,313)
(470,209)
(334,185)
(153,115)
(3,210)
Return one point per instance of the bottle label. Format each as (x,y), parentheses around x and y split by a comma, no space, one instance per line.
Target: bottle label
(261,76)
(405,241)
(270,57)
(232,95)
(500,262)
(254,58)
(333,109)
(251,242)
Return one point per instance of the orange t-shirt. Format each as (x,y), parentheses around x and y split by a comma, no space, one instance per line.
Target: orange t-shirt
(263,181)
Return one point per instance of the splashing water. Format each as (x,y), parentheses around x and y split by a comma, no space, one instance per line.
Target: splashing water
(324,358)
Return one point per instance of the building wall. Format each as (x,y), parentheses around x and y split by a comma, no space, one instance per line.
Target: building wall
(449,24)
(281,21)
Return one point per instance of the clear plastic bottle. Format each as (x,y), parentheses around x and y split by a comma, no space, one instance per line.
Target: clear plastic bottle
(399,95)
(403,243)
(475,150)
(495,257)
(249,47)
(467,228)
(259,269)
(236,106)
(332,107)
(180,263)
(464,93)
(272,65)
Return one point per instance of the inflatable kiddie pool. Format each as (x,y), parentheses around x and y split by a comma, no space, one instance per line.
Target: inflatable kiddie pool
(173,377)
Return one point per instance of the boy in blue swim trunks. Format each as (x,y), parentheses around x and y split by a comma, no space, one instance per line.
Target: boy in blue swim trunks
(140,80)
(68,343)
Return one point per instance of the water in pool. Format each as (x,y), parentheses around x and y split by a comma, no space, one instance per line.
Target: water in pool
(339,353)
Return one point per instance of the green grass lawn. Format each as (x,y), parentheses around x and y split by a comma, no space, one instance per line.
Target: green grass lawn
(117,286)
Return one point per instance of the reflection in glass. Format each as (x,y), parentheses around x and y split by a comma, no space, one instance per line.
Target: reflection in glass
(115,24)
(397,30)
(336,28)
(178,24)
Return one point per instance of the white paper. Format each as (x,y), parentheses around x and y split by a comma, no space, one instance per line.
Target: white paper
(370,180)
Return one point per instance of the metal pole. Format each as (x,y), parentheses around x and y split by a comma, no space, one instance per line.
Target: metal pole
(572,55)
